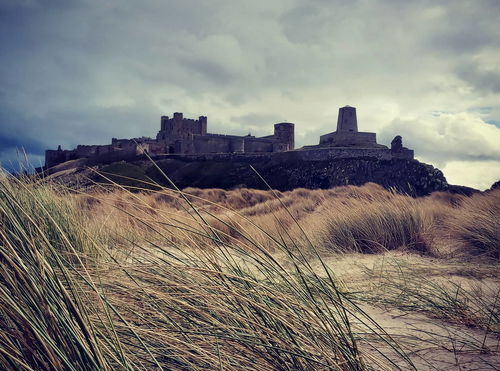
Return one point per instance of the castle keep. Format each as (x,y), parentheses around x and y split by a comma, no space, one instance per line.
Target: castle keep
(347,134)
(181,136)
(189,137)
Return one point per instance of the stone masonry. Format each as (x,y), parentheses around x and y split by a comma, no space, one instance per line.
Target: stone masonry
(180,136)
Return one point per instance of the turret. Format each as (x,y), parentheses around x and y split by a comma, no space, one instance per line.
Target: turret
(284,132)
(164,120)
(203,125)
(397,144)
(347,121)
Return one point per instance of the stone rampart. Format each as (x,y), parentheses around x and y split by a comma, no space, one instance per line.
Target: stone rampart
(321,154)
(212,143)
(189,137)
(259,145)
(317,154)
(345,138)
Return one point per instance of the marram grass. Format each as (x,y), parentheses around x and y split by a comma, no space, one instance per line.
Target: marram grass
(130,278)
(173,293)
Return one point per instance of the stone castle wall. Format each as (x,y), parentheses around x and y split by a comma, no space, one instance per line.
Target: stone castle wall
(118,148)
(216,144)
(348,138)
(189,137)
(314,154)
(54,157)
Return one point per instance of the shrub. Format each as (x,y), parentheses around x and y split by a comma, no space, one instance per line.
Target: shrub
(476,225)
(373,226)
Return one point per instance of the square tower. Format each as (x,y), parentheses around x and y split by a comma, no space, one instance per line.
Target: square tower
(347,121)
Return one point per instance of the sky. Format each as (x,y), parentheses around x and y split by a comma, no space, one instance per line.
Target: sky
(84,71)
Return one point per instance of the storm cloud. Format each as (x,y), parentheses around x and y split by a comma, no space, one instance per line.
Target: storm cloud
(83,71)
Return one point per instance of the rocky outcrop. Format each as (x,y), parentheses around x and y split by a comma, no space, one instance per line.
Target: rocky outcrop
(407,176)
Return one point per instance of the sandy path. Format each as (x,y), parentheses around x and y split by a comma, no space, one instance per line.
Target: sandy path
(435,345)
(431,343)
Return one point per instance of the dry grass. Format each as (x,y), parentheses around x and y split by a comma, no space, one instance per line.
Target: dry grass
(363,219)
(476,227)
(163,291)
(219,279)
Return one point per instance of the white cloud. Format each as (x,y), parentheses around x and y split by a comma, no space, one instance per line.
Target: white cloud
(462,145)
(449,136)
(479,175)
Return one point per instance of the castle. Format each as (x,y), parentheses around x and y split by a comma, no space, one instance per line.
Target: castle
(189,137)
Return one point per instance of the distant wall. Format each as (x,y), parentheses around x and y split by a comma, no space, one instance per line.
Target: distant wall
(215,143)
(211,143)
(348,138)
(54,157)
(259,145)
(405,153)
(335,153)
(125,144)
(152,148)
(317,154)
(122,147)
(95,150)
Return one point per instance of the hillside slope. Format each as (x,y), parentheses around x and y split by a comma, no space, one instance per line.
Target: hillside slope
(408,176)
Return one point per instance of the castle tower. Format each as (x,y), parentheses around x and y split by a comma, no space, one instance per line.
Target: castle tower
(284,132)
(203,124)
(164,120)
(347,121)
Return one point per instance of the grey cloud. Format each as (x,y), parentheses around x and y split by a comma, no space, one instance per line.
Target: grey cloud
(305,23)
(256,118)
(74,126)
(30,145)
(467,27)
(481,80)
(211,71)
(256,123)
(83,71)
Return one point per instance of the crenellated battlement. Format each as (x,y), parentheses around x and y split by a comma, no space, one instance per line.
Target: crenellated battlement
(188,137)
